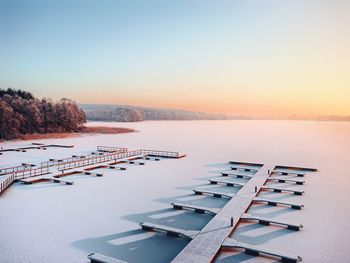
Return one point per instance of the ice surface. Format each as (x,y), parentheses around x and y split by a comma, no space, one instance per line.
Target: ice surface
(50,222)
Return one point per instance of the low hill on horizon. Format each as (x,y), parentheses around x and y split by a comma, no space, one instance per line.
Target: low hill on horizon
(127,113)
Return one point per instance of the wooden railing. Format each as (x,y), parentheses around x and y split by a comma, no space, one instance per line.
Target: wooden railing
(10,170)
(97,159)
(6,182)
(111,149)
(22,172)
(31,172)
(160,153)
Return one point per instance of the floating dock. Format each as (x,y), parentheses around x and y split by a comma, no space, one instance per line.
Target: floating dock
(275,203)
(213,193)
(170,231)
(244,168)
(196,209)
(238,175)
(206,245)
(106,157)
(280,190)
(267,222)
(284,180)
(259,251)
(227,183)
(6,181)
(35,146)
(39,179)
(99,258)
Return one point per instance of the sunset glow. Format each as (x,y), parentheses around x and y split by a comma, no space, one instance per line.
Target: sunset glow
(237,57)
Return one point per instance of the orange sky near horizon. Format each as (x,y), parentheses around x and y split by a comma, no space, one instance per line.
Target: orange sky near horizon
(258,58)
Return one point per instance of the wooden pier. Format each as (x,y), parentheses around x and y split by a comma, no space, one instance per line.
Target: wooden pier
(227,183)
(170,231)
(258,251)
(196,209)
(237,174)
(244,168)
(280,190)
(284,180)
(6,181)
(266,222)
(286,172)
(275,203)
(39,179)
(35,146)
(205,245)
(106,157)
(213,193)
(99,258)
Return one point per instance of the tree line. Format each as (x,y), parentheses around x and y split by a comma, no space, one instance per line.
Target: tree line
(22,113)
(120,113)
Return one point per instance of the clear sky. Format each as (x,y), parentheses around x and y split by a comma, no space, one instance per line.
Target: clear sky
(242,57)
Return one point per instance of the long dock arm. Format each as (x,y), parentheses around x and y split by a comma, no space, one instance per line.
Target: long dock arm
(257,251)
(196,208)
(275,202)
(266,221)
(171,231)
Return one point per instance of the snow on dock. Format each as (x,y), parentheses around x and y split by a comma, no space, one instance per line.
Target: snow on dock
(280,190)
(35,146)
(213,193)
(196,208)
(285,180)
(99,258)
(266,221)
(258,251)
(205,245)
(107,158)
(170,231)
(238,174)
(225,182)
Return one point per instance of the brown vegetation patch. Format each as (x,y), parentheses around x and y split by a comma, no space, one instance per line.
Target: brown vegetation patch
(106,130)
(85,130)
(38,136)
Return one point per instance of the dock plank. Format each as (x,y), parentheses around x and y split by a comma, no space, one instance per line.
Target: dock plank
(219,228)
(171,231)
(99,258)
(196,208)
(257,250)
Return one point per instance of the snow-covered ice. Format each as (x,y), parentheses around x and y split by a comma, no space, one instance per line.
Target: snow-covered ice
(50,222)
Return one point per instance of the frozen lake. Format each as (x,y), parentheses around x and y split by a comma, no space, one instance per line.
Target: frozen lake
(49,222)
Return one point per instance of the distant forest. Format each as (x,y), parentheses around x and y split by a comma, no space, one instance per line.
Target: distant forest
(21,113)
(123,113)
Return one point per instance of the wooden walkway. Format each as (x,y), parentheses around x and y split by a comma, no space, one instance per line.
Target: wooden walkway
(258,251)
(35,146)
(196,208)
(38,179)
(107,157)
(6,181)
(205,246)
(99,258)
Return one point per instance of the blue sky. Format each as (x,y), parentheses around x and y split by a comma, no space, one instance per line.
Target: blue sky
(221,56)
